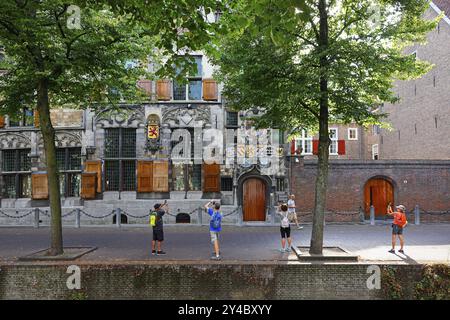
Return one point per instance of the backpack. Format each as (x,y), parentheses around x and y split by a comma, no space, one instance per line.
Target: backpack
(215,220)
(285,221)
(153,218)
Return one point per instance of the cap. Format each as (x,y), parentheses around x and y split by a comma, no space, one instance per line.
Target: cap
(401,207)
(157,205)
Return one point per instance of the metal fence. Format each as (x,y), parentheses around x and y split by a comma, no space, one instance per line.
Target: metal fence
(116,214)
(198,212)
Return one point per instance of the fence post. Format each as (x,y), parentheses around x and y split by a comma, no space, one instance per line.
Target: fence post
(416,215)
(372,215)
(200,216)
(36,217)
(77,218)
(117,217)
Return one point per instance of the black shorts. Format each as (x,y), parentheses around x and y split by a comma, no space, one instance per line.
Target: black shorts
(158,235)
(397,229)
(285,232)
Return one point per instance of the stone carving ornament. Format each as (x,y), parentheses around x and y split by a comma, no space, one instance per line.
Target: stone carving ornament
(129,116)
(14,140)
(187,117)
(64,139)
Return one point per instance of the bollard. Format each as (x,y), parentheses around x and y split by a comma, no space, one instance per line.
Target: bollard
(117,217)
(36,217)
(417,215)
(77,218)
(372,215)
(241,216)
(272,213)
(200,216)
(361,214)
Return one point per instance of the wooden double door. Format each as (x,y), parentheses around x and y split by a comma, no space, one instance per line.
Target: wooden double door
(379,193)
(254,200)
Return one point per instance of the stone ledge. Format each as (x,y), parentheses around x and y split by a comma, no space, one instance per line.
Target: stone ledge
(70,253)
(329,254)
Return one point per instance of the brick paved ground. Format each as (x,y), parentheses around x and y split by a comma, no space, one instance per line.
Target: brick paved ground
(424,243)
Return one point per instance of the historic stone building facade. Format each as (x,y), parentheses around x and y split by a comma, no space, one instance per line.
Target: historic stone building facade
(154,151)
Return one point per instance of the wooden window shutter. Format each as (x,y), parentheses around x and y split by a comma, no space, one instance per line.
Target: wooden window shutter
(36,119)
(146,86)
(163,89)
(88,185)
(160,176)
(341,147)
(211,177)
(39,186)
(2,121)
(95,166)
(292,147)
(315,147)
(210,90)
(145,176)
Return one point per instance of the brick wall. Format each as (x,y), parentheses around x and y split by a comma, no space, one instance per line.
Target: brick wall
(221,281)
(426,183)
(421,120)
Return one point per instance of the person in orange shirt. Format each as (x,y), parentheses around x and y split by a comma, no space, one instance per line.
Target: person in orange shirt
(397,226)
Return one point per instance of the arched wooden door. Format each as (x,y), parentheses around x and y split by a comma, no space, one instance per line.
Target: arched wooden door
(254,200)
(378,192)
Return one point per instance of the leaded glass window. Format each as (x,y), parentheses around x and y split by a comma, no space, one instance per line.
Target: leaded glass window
(120,163)
(16,166)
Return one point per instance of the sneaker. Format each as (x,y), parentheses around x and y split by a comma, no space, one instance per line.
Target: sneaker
(153,252)
(217,258)
(161,253)
(282,250)
(392,251)
(300,227)
(401,251)
(287,249)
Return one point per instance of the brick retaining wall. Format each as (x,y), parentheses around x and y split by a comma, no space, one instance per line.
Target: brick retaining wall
(185,281)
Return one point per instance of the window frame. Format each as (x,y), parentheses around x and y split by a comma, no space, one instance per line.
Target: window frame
(67,173)
(22,122)
(18,173)
(356,134)
(121,162)
(302,141)
(189,78)
(335,139)
(377,148)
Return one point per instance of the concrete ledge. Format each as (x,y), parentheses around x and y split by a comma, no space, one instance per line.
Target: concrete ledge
(70,253)
(329,254)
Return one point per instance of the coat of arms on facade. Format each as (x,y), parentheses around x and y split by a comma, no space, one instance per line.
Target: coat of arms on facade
(153,137)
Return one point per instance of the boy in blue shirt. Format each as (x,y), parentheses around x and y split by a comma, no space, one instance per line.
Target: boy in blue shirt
(215,225)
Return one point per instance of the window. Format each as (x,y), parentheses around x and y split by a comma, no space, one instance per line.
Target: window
(232,119)
(281,186)
(69,166)
(192,90)
(226,183)
(187,176)
(16,173)
(375,129)
(352,134)
(375,155)
(334,141)
(305,143)
(25,119)
(120,159)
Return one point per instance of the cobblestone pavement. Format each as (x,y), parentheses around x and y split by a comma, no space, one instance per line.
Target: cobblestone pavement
(424,243)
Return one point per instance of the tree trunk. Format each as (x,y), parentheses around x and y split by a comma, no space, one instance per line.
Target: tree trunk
(316,245)
(48,134)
